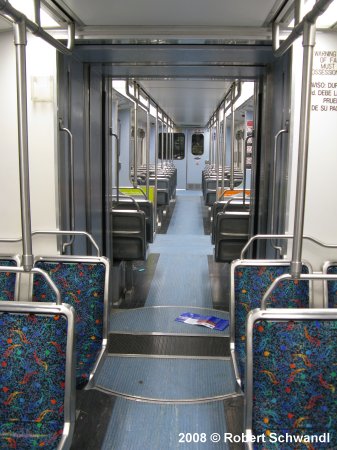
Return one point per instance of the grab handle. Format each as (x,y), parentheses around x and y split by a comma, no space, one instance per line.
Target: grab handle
(71,183)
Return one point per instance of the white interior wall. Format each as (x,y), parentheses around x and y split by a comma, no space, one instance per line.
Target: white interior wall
(41,62)
(321,208)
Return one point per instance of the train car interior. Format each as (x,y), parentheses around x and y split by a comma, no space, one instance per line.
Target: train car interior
(168,248)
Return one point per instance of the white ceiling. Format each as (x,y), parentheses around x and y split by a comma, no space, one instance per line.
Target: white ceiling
(234,13)
(4,24)
(187,102)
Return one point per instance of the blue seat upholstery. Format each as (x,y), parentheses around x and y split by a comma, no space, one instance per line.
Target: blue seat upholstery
(292,379)
(7,280)
(250,281)
(36,376)
(83,285)
(331,268)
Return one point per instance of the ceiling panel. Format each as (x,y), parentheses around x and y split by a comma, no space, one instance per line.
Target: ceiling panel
(187,102)
(4,24)
(234,13)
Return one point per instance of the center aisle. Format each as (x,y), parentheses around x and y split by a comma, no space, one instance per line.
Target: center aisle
(182,276)
(153,399)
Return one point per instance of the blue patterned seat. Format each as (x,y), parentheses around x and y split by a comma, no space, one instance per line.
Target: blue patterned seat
(36,376)
(331,268)
(249,282)
(7,280)
(292,379)
(83,284)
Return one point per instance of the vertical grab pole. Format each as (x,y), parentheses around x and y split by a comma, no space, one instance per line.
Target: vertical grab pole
(309,33)
(156,150)
(171,141)
(232,142)
(71,182)
(224,151)
(210,145)
(135,147)
(245,167)
(217,155)
(20,41)
(117,154)
(37,12)
(172,159)
(272,231)
(148,154)
(167,143)
(162,141)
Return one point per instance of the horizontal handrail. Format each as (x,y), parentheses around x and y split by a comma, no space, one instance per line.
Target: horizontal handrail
(58,232)
(289,277)
(282,236)
(280,48)
(40,272)
(6,9)
(129,197)
(230,200)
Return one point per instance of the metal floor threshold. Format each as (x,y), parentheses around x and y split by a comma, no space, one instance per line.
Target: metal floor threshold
(163,401)
(168,345)
(167,380)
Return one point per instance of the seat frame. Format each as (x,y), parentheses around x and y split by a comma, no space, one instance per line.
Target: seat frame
(249,263)
(17,259)
(272,314)
(87,260)
(69,393)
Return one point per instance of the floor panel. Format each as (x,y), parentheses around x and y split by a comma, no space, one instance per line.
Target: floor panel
(162,320)
(167,379)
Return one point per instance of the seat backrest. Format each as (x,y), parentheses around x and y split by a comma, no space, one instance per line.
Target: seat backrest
(220,205)
(129,234)
(8,285)
(330,287)
(291,376)
(249,281)
(143,205)
(231,235)
(37,378)
(83,284)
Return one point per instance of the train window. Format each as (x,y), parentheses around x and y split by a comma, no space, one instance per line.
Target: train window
(197,144)
(178,146)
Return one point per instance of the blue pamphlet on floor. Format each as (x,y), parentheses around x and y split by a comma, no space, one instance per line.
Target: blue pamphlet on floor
(206,321)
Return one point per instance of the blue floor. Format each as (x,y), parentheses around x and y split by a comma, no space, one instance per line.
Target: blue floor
(162,320)
(181,280)
(149,412)
(146,426)
(187,214)
(165,379)
(182,276)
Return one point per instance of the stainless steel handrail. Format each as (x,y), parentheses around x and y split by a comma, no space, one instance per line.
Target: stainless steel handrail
(307,27)
(289,277)
(277,135)
(20,41)
(280,48)
(6,9)
(117,162)
(71,183)
(58,232)
(282,236)
(40,272)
